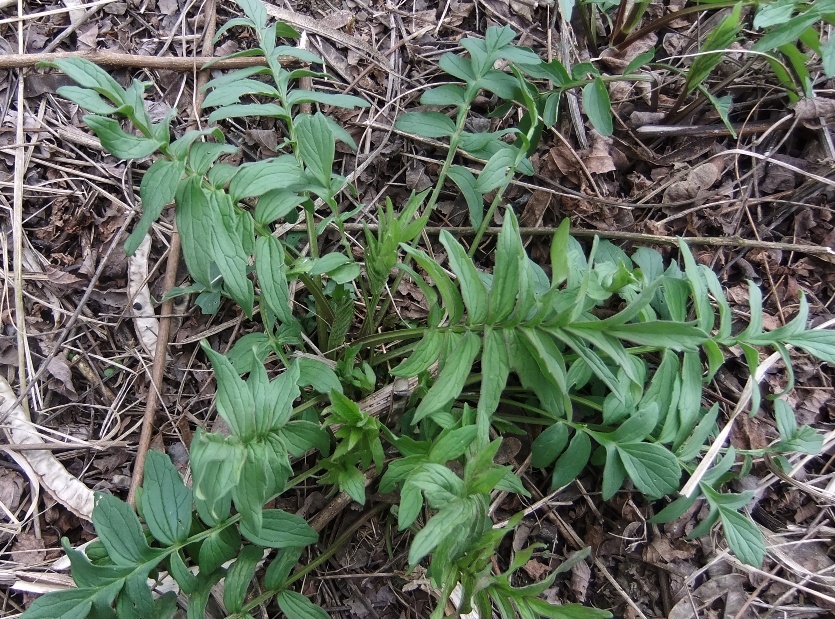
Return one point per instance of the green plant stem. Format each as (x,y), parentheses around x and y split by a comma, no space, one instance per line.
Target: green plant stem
(488,216)
(454,140)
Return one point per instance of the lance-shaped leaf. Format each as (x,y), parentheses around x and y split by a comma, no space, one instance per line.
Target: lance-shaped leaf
(166,502)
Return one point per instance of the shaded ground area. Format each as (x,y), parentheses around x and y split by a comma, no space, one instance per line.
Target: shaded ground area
(760,202)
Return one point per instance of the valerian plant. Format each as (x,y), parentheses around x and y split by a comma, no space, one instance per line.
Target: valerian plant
(500,352)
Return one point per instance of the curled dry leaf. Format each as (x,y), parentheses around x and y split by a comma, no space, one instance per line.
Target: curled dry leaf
(617,60)
(812,109)
(730,587)
(48,472)
(699,179)
(139,297)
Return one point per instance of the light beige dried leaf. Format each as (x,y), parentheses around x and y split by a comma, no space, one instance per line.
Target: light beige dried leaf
(44,468)
(139,296)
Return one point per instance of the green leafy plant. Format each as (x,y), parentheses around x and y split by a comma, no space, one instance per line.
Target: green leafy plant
(608,355)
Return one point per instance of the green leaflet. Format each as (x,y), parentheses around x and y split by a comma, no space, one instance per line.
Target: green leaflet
(426,124)
(597,106)
(272,276)
(166,502)
(234,399)
(239,576)
(121,532)
(451,377)
(158,187)
(296,606)
(121,144)
(280,530)
(472,288)
(316,146)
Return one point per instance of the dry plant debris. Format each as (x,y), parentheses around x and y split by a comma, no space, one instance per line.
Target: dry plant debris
(753,195)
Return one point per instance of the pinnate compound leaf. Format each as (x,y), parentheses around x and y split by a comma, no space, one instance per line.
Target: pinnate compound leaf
(451,378)
(472,288)
(744,537)
(158,188)
(296,606)
(239,576)
(166,502)
(652,468)
(118,142)
(597,106)
(281,530)
(426,124)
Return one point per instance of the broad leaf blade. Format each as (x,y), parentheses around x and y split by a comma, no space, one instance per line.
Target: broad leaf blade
(166,502)
(121,532)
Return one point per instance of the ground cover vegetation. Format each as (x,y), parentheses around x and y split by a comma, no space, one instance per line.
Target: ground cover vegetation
(602,359)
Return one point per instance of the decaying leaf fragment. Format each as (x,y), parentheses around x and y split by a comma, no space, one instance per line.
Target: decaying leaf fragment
(139,296)
(51,474)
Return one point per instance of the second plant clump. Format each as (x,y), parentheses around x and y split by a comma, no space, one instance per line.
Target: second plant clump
(499,353)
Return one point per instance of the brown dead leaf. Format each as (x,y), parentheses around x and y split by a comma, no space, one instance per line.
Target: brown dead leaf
(699,179)
(338,19)
(28,549)
(536,207)
(536,570)
(580,577)
(639,119)
(729,586)
(457,13)
(598,158)
(61,372)
(812,109)
(11,489)
(617,61)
